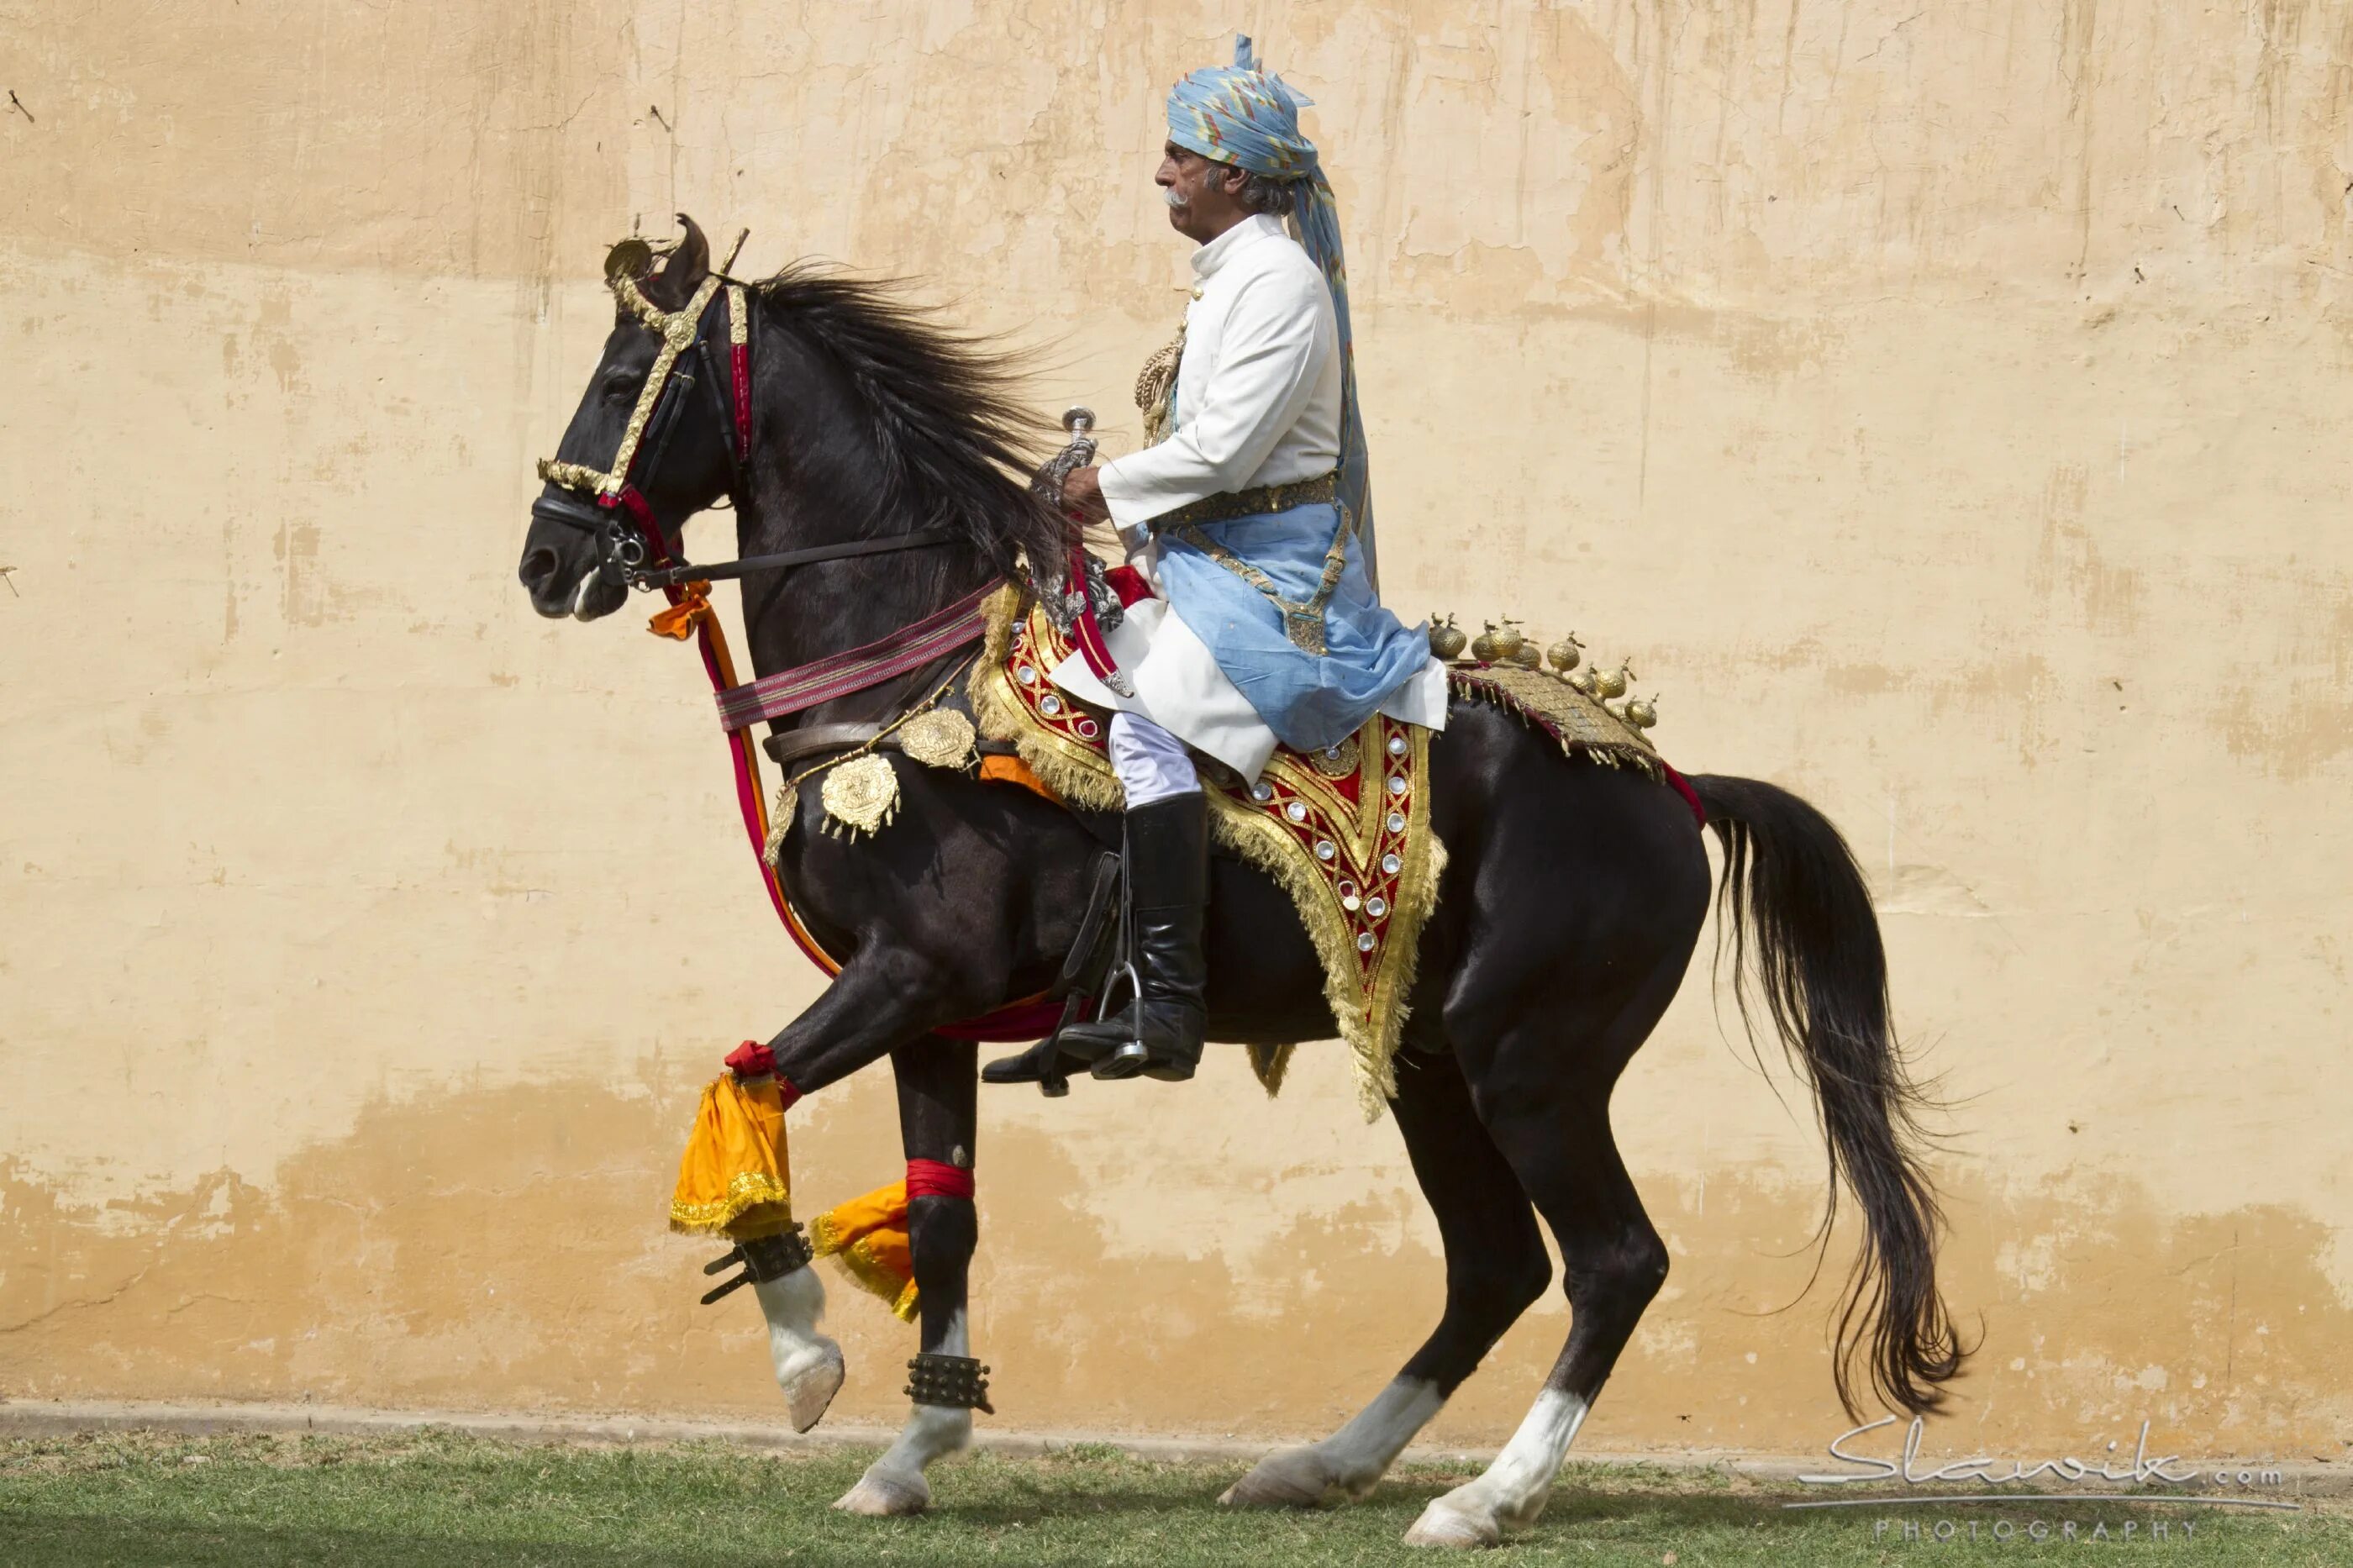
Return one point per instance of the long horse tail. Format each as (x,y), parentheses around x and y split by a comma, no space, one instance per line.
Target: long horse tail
(1794,903)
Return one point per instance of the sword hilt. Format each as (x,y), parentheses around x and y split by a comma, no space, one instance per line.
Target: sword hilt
(1079,421)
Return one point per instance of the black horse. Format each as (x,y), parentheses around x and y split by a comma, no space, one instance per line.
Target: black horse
(1572,899)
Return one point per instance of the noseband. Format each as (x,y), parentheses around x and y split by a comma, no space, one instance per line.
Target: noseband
(631,546)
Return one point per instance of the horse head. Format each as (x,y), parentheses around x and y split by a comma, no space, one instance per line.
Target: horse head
(646,449)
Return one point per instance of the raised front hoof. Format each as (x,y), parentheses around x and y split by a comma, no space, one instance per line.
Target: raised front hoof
(883,1496)
(1442,1526)
(1291,1477)
(810,1382)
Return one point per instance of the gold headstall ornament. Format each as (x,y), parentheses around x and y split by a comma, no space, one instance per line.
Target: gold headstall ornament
(626,265)
(632,258)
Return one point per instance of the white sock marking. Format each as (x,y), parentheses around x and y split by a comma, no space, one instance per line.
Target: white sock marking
(1512,1492)
(932,1431)
(807,1363)
(793,1306)
(1361,1452)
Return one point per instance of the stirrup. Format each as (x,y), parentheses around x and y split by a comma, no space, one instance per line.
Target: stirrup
(1136,1059)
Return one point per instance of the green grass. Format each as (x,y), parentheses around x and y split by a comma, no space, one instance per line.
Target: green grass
(440,1497)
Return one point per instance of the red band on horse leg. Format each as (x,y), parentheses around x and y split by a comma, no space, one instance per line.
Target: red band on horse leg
(931,1179)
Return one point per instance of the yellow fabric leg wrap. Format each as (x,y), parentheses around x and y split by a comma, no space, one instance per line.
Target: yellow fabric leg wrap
(735,1178)
(868,1235)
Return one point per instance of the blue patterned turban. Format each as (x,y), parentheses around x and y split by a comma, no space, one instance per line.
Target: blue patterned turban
(1241,115)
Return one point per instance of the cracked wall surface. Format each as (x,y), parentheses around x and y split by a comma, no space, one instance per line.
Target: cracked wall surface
(1943,406)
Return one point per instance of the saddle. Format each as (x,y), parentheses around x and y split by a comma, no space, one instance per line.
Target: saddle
(1344,831)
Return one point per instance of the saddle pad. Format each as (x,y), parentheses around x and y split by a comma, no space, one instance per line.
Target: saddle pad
(1345,831)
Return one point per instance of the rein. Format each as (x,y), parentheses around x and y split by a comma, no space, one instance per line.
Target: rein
(634,550)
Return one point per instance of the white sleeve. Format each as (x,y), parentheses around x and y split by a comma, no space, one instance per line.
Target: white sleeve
(1268,363)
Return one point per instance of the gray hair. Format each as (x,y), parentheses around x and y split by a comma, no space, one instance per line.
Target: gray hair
(1264,193)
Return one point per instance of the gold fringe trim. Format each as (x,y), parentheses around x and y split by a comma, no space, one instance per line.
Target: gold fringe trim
(865,1270)
(1578,723)
(1371,1027)
(748,1191)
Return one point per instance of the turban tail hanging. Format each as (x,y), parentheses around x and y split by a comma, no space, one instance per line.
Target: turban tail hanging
(1241,115)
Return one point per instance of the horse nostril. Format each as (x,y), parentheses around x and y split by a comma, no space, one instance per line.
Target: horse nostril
(538,567)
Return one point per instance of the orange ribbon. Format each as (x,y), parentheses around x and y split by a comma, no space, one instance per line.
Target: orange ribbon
(680,620)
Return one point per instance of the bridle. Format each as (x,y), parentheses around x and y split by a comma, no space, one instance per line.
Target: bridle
(632,548)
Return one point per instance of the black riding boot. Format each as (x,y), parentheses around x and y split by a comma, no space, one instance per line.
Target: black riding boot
(1169,892)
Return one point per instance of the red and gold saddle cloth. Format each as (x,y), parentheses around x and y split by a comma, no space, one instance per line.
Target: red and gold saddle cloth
(1345,831)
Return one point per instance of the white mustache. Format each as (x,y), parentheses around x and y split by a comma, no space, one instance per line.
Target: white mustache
(1174,198)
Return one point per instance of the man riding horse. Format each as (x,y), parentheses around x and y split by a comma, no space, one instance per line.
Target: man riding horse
(1251,515)
(881,502)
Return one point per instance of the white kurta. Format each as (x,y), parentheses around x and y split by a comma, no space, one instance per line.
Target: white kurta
(1258,403)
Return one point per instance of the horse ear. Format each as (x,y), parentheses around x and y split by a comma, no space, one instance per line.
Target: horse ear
(684,272)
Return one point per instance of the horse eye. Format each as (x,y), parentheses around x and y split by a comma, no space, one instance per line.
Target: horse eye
(620,384)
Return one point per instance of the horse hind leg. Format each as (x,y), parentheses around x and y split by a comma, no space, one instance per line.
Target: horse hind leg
(1496,1269)
(1553,1129)
(939,1081)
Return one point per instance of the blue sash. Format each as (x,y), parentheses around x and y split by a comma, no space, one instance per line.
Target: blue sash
(1309,700)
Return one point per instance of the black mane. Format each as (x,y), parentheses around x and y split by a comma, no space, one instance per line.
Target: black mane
(957,446)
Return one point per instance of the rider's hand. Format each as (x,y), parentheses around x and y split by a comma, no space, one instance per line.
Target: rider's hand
(1082,493)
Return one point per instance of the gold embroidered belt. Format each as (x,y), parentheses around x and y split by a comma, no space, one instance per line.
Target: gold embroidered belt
(1255,501)
(1303,619)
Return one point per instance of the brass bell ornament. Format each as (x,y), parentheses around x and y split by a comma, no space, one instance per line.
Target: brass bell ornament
(1642,712)
(1613,682)
(1562,655)
(1495,644)
(1447,640)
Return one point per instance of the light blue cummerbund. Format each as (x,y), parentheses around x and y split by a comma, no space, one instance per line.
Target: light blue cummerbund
(1309,700)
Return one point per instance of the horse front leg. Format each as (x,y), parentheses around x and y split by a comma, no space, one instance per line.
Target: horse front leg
(937,1082)
(879,1001)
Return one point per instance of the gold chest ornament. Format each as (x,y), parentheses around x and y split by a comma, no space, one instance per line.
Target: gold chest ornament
(861,795)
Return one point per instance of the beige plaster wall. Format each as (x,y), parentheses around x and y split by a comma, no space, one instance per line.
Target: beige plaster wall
(1945,406)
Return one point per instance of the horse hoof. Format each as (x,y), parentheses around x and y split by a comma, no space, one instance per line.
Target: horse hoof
(810,1382)
(886,1496)
(1289,1477)
(1442,1526)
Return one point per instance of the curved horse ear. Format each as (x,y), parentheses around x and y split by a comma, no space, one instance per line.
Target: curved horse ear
(683,271)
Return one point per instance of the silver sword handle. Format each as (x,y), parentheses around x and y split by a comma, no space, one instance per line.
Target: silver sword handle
(1079,421)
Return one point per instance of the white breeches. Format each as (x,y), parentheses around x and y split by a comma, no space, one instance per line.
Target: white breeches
(1151,763)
